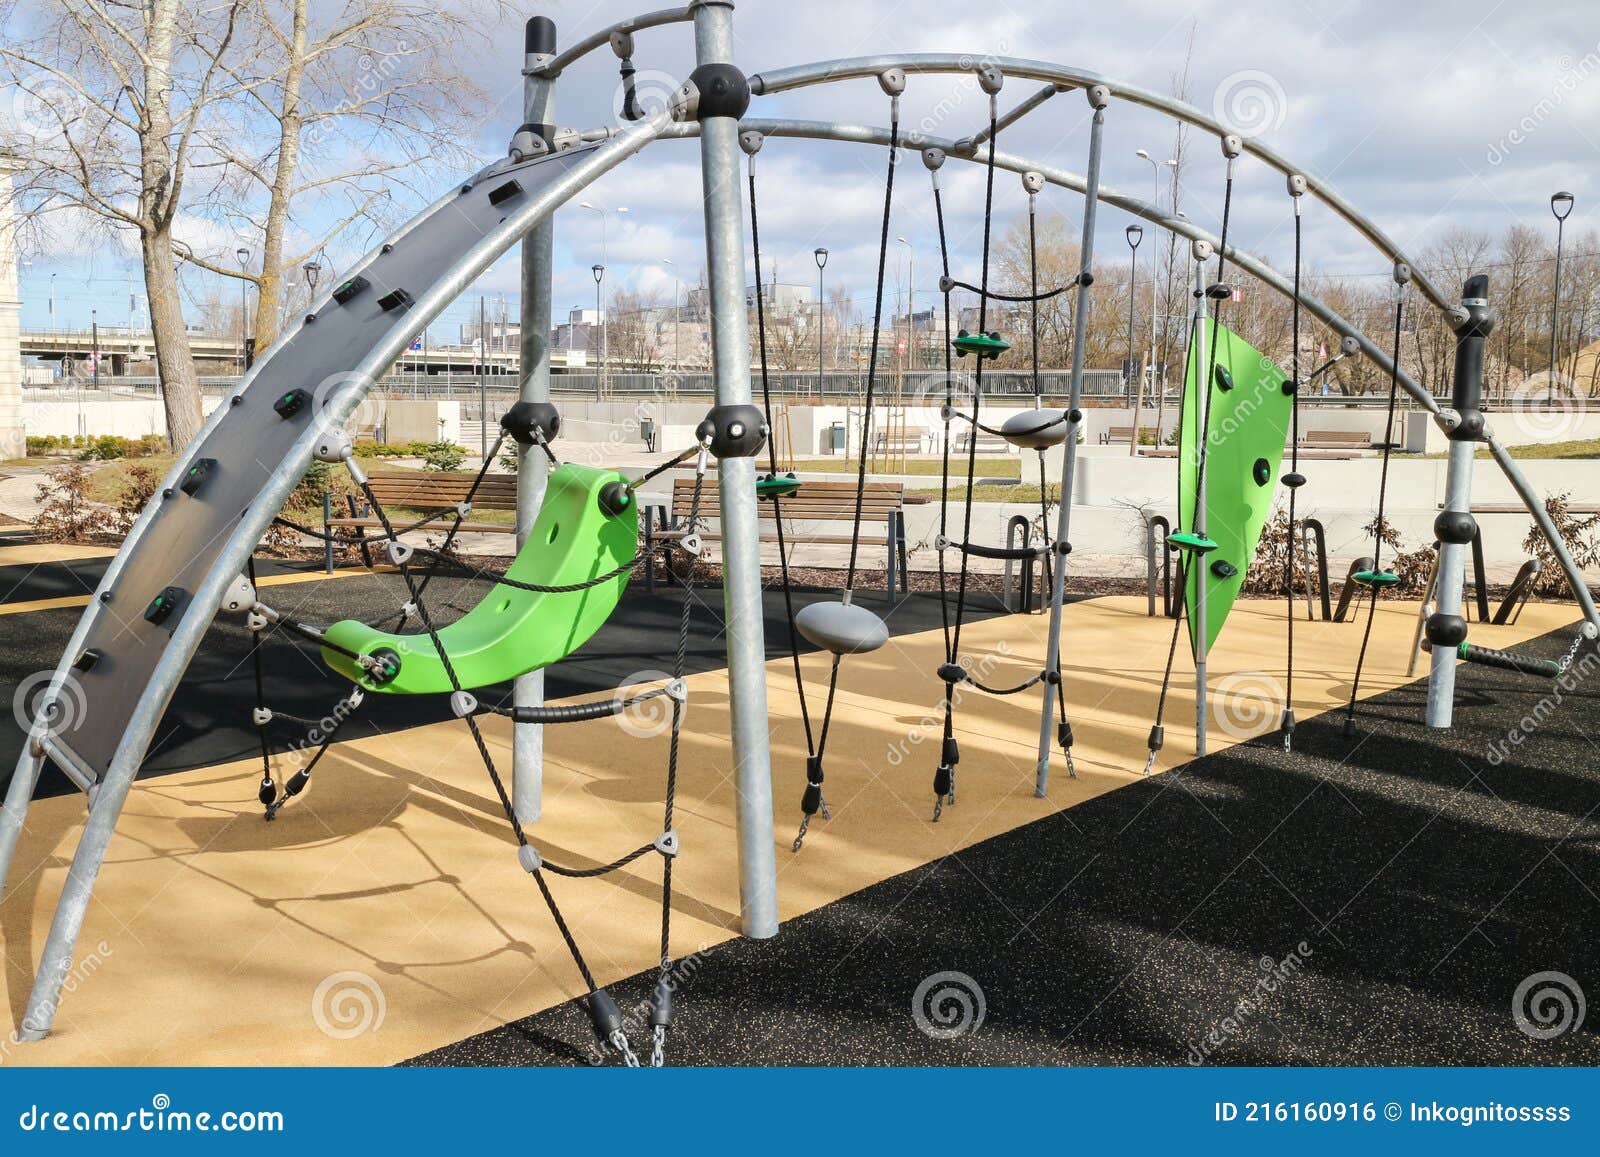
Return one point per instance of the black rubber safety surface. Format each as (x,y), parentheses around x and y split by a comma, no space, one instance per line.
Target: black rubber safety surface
(1376,900)
(208,721)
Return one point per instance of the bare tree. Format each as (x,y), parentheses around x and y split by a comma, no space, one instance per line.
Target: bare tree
(338,107)
(117,97)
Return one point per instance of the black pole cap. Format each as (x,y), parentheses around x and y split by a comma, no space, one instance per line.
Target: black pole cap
(541,36)
(942,780)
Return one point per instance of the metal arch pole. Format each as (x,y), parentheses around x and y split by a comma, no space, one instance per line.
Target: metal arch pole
(1069,453)
(1541,516)
(108,798)
(1197,605)
(854,68)
(554,66)
(538,264)
(720,166)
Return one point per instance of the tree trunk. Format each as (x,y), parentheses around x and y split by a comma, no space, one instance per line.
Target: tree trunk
(269,293)
(158,202)
(180,388)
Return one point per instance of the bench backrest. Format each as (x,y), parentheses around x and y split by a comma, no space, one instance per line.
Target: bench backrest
(440,489)
(814,501)
(1337,436)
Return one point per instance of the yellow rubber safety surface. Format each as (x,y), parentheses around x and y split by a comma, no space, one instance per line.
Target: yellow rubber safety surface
(33,553)
(384,913)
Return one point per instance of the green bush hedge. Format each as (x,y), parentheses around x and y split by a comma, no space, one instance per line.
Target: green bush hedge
(96,448)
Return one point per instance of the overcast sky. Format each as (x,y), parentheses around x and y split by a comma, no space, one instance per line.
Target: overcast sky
(1426,115)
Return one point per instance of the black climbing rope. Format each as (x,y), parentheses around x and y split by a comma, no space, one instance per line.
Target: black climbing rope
(812,800)
(602,1008)
(1380,524)
(1293,480)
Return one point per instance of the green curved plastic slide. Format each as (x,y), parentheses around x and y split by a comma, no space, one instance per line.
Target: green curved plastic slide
(511,631)
(1249,424)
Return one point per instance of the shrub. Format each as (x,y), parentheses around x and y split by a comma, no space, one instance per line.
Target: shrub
(442,456)
(1578,532)
(67,514)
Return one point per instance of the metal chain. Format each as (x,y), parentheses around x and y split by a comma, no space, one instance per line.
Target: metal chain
(1572,653)
(619,1041)
(658,1047)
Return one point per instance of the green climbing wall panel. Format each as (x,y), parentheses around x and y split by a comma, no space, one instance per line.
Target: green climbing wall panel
(511,631)
(1250,416)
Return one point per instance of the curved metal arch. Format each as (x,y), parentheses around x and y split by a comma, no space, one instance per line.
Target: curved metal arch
(598,39)
(827,72)
(1055,175)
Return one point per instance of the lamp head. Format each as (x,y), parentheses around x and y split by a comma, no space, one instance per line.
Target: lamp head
(821,255)
(599,272)
(1135,234)
(1561,204)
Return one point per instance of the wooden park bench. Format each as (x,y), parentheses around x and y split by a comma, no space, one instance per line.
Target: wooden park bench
(1117,435)
(815,502)
(427,491)
(987,443)
(907,441)
(1337,439)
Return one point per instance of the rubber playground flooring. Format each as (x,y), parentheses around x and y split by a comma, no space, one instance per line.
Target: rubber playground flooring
(384,916)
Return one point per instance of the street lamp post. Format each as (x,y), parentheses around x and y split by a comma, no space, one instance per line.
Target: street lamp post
(821,256)
(52,303)
(1134,234)
(94,346)
(677,292)
(599,272)
(1155,199)
(243,255)
(1561,208)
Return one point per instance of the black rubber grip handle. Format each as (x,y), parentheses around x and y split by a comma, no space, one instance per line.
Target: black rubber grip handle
(577,712)
(1019,553)
(1510,661)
